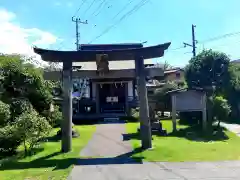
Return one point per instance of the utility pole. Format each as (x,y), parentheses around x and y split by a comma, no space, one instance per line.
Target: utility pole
(193,45)
(77,22)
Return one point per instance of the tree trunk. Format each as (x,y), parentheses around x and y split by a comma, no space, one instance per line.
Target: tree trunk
(25,147)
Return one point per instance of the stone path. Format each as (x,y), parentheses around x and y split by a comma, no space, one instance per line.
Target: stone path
(107,142)
(113,162)
(235,128)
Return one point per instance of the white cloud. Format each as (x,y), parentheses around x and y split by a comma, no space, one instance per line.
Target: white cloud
(15,39)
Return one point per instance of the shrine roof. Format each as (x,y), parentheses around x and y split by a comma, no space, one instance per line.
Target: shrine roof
(113,54)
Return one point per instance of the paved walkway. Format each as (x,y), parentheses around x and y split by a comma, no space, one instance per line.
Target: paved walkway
(114,163)
(235,128)
(107,142)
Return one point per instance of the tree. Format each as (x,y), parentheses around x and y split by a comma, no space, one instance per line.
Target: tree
(209,68)
(31,127)
(164,99)
(233,92)
(167,66)
(5,113)
(9,140)
(221,109)
(21,80)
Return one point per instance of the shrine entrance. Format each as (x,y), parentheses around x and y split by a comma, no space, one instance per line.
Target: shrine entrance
(112,97)
(119,52)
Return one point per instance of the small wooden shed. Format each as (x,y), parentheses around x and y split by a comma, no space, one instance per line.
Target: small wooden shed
(188,100)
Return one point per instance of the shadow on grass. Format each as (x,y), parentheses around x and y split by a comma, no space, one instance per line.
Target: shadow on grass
(195,133)
(137,136)
(57,164)
(20,155)
(54,138)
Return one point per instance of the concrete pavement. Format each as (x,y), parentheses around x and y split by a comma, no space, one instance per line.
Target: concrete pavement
(113,162)
(235,128)
(227,170)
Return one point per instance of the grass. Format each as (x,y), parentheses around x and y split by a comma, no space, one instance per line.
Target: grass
(177,147)
(48,163)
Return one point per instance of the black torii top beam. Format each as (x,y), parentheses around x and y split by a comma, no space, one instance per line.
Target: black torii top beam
(113,55)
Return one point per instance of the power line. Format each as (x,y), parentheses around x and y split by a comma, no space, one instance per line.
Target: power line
(93,1)
(220,37)
(99,6)
(134,9)
(80,6)
(126,5)
(100,10)
(174,49)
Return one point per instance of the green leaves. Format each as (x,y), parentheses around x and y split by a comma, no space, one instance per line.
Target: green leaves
(221,108)
(31,128)
(25,95)
(5,113)
(208,68)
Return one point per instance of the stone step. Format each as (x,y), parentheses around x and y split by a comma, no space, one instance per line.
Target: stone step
(111,119)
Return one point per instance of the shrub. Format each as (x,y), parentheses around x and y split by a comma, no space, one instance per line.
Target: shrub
(55,117)
(18,106)
(31,128)
(9,140)
(21,79)
(5,113)
(220,108)
(163,98)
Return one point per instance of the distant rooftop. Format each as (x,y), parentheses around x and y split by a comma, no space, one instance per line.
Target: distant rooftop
(172,70)
(236,61)
(114,65)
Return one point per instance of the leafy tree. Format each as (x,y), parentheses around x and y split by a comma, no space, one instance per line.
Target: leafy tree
(54,117)
(22,80)
(233,91)
(9,140)
(221,109)
(167,66)
(5,113)
(19,106)
(164,99)
(209,68)
(31,128)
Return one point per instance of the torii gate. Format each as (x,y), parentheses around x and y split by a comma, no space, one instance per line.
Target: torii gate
(137,54)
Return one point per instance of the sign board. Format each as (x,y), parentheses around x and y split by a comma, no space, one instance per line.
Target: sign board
(112,99)
(189,101)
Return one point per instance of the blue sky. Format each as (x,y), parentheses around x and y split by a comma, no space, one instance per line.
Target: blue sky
(158,21)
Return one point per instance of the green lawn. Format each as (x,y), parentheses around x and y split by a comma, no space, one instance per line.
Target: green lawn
(173,148)
(47,164)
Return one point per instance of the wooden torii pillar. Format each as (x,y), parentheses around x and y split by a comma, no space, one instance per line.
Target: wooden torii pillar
(66,125)
(145,126)
(68,57)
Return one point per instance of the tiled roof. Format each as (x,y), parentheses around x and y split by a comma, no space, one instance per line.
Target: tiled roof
(172,70)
